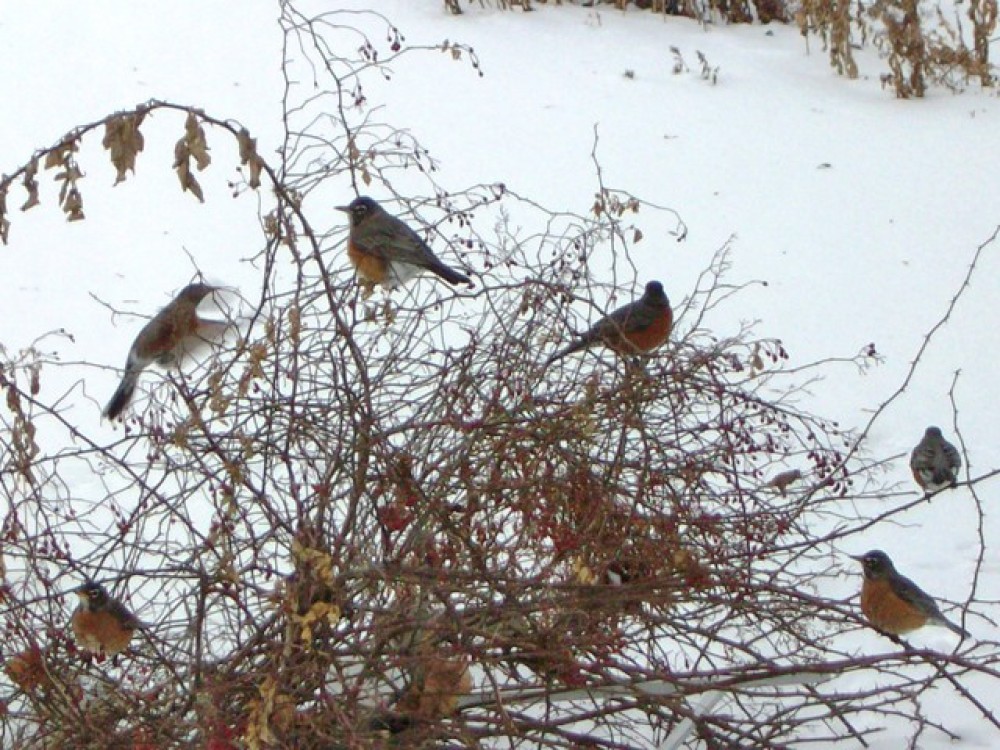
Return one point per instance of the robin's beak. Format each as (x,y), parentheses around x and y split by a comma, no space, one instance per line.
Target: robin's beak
(345,209)
(859,558)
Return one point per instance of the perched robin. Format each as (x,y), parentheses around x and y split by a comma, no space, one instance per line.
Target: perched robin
(386,251)
(27,669)
(892,602)
(174,331)
(935,462)
(100,623)
(639,326)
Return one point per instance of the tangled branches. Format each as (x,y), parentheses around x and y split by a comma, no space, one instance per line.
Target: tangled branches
(382,521)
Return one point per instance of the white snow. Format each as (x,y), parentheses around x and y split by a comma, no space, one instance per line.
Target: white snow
(862,212)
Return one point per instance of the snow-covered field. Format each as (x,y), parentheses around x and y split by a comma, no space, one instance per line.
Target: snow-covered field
(861,212)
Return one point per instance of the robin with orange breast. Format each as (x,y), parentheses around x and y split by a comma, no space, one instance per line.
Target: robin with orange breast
(175,331)
(100,623)
(636,328)
(935,462)
(895,604)
(385,251)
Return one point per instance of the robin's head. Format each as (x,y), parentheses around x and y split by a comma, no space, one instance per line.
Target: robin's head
(360,209)
(876,564)
(932,432)
(196,292)
(655,294)
(92,595)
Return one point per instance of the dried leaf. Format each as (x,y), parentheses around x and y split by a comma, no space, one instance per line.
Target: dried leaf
(182,154)
(68,178)
(249,157)
(124,141)
(60,155)
(73,205)
(582,573)
(194,137)
(192,184)
(318,612)
(258,731)
(182,164)
(637,236)
(31,185)
(54,158)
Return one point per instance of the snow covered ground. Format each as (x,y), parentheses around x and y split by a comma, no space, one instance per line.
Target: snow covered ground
(862,212)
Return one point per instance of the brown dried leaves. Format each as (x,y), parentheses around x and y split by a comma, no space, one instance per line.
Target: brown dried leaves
(61,158)
(123,139)
(249,157)
(30,185)
(193,144)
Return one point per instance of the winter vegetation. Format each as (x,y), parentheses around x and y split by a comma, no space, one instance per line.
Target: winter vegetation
(357,517)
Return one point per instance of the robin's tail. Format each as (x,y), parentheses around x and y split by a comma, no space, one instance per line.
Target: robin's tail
(449,274)
(567,350)
(944,476)
(955,628)
(123,395)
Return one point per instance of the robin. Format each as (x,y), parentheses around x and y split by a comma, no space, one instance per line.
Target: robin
(895,604)
(638,327)
(386,251)
(175,330)
(935,462)
(100,623)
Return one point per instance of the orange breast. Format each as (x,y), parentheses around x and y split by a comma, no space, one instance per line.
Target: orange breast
(100,631)
(888,612)
(369,267)
(646,339)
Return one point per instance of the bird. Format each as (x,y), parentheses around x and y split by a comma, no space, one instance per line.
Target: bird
(384,250)
(895,604)
(174,331)
(101,623)
(638,327)
(935,462)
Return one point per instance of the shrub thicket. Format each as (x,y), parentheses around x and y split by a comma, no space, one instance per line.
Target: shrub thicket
(383,523)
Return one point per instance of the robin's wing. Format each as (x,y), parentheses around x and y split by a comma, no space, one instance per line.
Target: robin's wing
(951,456)
(922,456)
(392,240)
(122,614)
(158,338)
(635,316)
(912,594)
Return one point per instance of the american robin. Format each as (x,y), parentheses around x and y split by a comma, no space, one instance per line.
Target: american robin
(175,330)
(386,251)
(892,602)
(100,623)
(935,462)
(639,326)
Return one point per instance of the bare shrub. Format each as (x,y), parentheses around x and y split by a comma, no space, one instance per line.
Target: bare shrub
(376,523)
